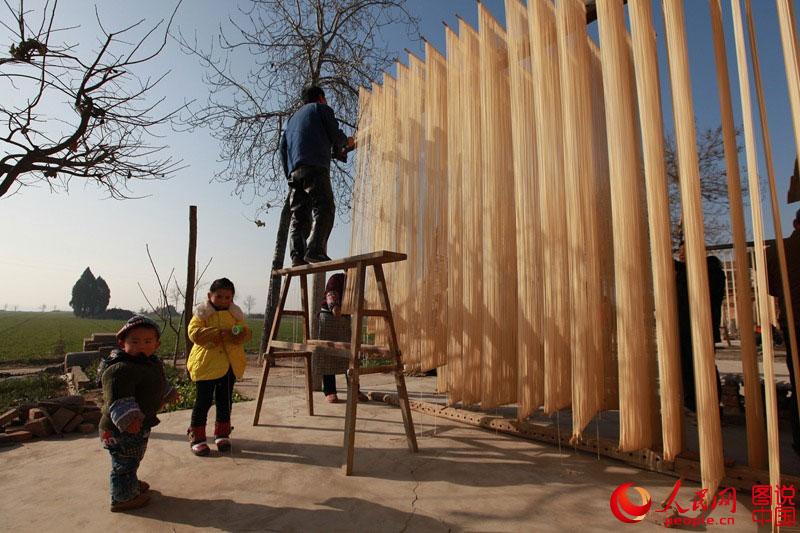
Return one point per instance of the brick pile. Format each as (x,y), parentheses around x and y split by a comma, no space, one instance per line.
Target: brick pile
(55,416)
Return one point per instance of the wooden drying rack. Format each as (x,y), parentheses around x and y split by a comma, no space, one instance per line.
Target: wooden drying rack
(350,350)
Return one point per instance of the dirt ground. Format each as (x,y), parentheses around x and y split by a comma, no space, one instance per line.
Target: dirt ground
(285,475)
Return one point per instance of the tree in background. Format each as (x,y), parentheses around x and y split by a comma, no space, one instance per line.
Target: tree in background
(90,295)
(83,294)
(66,113)
(102,296)
(713,186)
(336,44)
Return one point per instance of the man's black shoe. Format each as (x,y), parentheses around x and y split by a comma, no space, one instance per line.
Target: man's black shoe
(316,258)
(298,261)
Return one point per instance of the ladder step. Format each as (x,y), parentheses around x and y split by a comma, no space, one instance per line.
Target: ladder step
(280,355)
(343,348)
(291,312)
(375,312)
(378,369)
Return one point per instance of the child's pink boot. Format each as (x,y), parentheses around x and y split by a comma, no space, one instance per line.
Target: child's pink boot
(222,432)
(197,438)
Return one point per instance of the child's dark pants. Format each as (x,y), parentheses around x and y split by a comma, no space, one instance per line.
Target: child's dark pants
(218,391)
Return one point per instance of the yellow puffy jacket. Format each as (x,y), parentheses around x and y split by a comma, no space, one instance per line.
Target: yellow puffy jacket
(211,355)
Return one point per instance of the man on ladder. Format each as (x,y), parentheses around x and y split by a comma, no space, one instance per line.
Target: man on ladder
(312,136)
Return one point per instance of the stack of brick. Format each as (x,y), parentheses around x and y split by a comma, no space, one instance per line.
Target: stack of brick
(55,416)
(99,340)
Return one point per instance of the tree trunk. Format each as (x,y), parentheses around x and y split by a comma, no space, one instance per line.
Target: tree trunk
(190,276)
(275,281)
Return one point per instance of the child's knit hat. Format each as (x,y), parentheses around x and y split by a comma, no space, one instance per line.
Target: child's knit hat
(336,284)
(138,321)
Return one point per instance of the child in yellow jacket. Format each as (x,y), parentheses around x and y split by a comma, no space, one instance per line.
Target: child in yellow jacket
(217,360)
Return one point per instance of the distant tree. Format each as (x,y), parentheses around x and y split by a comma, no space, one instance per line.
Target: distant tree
(90,295)
(102,296)
(43,308)
(83,294)
(249,302)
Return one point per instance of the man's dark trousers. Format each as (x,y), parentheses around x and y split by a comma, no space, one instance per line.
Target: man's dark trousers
(313,211)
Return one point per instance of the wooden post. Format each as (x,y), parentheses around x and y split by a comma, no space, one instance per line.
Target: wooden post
(402,393)
(273,335)
(352,386)
(190,276)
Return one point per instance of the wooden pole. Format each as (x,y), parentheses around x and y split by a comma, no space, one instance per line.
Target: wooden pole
(190,276)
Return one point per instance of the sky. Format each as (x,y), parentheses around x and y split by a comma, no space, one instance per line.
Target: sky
(50,238)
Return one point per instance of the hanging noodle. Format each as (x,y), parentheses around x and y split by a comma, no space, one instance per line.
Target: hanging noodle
(649,99)
(584,248)
(455,222)
(742,290)
(555,273)
(499,233)
(708,422)
(530,393)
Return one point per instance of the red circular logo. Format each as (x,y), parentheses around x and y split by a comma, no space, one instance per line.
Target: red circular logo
(624,509)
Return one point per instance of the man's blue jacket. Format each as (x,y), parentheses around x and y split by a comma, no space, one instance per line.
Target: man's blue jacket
(311,135)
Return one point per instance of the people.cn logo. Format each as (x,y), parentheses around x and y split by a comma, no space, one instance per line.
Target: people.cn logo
(624,509)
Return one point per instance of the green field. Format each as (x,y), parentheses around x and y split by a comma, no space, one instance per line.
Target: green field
(31,336)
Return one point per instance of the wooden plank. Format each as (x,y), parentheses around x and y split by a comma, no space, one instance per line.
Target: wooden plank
(374,258)
(376,312)
(292,312)
(352,385)
(283,355)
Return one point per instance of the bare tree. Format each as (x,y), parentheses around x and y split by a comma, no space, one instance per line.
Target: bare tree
(164,311)
(713,186)
(68,114)
(336,44)
(168,312)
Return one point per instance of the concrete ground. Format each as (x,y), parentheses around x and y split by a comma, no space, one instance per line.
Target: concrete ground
(284,475)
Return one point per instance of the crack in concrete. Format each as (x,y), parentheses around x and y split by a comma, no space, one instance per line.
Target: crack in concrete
(413,503)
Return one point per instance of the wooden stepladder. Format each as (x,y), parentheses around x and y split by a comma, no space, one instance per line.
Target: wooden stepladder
(351,350)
